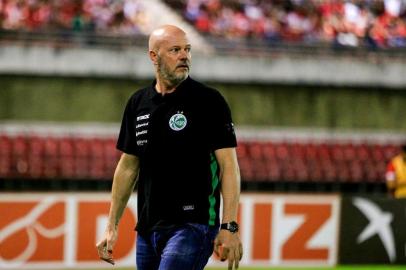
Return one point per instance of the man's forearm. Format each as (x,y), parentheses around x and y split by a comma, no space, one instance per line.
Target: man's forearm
(231,194)
(230,183)
(123,186)
(227,244)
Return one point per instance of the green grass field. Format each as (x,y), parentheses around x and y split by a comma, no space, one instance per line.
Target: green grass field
(370,267)
(364,267)
(324,268)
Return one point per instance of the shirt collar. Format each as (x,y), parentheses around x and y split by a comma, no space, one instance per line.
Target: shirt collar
(153,93)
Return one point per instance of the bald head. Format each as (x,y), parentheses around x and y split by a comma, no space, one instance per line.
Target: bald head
(169,51)
(164,34)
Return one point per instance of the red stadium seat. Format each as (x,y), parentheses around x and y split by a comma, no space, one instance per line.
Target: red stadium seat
(269,151)
(5,156)
(349,152)
(330,172)
(301,172)
(337,152)
(96,159)
(66,147)
(51,157)
(343,172)
(324,152)
(274,171)
(282,151)
(370,171)
(297,150)
(380,169)
(241,150)
(377,153)
(316,174)
(19,161)
(255,150)
(288,173)
(356,172)
(247,171)
(81,148)
(36,154)
(260,172)
(66,158)
(110,157)
(363,152)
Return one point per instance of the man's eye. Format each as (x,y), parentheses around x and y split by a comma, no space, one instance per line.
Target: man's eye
(175,50)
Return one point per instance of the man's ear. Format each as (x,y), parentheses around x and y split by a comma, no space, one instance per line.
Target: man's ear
(154,57)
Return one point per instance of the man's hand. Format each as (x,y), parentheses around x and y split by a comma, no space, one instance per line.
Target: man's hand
(105,246)
(228,246)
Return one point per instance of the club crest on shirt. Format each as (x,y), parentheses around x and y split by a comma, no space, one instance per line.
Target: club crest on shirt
(177,122)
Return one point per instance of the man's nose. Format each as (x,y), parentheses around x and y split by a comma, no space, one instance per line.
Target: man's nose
(184,55)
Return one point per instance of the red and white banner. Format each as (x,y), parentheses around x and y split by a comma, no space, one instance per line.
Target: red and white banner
(289,230)
(51,230)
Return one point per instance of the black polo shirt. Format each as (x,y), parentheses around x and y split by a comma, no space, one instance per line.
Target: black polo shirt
(175,136)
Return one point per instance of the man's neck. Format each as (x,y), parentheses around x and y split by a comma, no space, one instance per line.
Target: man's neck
(165,87)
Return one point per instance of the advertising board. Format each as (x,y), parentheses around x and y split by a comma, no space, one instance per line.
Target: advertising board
(52,230)
(373,231)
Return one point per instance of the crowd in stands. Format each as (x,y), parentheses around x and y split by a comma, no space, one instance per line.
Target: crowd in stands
(373,23)
(94,16)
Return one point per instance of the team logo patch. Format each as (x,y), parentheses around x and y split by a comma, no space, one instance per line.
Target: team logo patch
(177,122)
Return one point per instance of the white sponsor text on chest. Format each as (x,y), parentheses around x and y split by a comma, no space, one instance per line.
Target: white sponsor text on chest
(142,125)
(143,117)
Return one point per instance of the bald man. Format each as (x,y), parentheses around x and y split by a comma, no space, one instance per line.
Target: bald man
(178,144)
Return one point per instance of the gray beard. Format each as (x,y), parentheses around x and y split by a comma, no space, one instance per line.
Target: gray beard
(170,77)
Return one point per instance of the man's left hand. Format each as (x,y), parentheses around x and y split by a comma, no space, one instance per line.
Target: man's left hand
(228,246)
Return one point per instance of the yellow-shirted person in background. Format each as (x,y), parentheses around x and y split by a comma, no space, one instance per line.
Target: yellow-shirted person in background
(396,174)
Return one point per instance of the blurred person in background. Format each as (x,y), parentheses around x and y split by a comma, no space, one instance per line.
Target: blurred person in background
(396,174)
(178,144)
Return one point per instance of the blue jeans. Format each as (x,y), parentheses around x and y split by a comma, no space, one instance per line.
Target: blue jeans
(186,248)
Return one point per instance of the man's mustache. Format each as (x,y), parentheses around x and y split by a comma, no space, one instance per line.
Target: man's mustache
(184,64)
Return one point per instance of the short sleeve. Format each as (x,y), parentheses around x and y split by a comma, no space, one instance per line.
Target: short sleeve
(126,140)
(221,126)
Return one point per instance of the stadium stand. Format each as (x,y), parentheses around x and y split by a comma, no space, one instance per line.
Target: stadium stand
(277,161)
(87,22)
(372,24)
(126,17)
(343,23)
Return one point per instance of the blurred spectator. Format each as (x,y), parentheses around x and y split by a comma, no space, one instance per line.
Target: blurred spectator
(396,174)
(15,13)
(394,8)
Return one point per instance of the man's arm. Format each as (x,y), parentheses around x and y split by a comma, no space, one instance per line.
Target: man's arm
(123,185)
(230,189)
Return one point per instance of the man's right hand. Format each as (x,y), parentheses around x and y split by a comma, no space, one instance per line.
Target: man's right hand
(106,245)
(228,246)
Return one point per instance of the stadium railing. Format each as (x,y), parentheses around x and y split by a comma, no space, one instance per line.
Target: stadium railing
(68,38)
